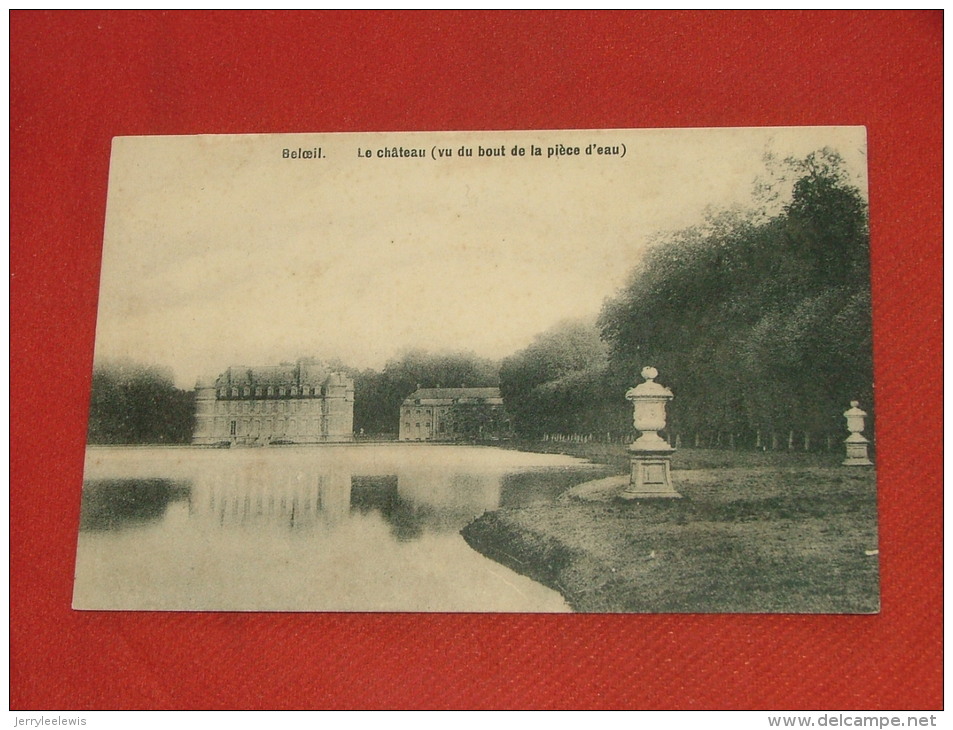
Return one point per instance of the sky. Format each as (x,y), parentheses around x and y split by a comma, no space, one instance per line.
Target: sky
(224,250)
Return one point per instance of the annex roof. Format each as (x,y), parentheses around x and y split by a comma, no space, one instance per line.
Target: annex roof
(447,396)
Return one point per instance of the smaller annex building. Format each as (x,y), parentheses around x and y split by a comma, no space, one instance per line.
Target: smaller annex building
(449,414)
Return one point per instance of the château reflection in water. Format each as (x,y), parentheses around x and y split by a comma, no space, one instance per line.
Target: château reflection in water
(322,526)
(288,498)
(298,496)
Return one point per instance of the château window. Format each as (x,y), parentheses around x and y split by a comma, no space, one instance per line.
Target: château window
(271,391)
(247,392)
(234,392)
(258,391)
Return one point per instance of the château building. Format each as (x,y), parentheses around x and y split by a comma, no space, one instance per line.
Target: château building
(300,403)
(447,414)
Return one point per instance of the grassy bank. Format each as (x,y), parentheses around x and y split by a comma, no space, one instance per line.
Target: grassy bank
(763,537)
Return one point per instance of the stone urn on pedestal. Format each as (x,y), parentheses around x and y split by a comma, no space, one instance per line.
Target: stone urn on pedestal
(856,443)
(650,455)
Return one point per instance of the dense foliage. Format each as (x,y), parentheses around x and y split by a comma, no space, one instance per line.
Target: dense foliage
(476,422)
(757,325)
(558,383)
(138,404)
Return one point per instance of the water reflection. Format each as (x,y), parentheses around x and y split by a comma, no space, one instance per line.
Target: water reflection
(414,501)
(329,528)
(113,504)
(417,502)
(291,499)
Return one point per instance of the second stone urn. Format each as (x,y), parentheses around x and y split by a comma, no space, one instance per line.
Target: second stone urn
(650,455)
(856,443)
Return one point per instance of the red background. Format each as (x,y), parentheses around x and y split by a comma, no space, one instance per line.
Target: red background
(78,79)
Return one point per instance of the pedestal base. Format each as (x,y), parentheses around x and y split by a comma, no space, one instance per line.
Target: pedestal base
(857,454)
(651,477)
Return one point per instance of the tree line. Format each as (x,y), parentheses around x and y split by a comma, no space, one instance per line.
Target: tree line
(759,321)
(760,324)
(133,403)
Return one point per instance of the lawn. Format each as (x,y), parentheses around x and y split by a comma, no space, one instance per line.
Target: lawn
(755,532)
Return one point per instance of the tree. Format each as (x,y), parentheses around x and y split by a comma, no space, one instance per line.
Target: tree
(477,421)
(557,384)
(757,322)
(132,403)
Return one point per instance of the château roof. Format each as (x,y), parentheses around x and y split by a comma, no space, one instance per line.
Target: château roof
(303,372)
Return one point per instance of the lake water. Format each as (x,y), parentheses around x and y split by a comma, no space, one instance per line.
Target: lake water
(370,527)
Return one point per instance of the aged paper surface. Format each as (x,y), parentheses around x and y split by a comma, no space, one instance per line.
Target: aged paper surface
(321,357)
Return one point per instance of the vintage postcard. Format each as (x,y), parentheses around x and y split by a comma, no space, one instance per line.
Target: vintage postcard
(515,371)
